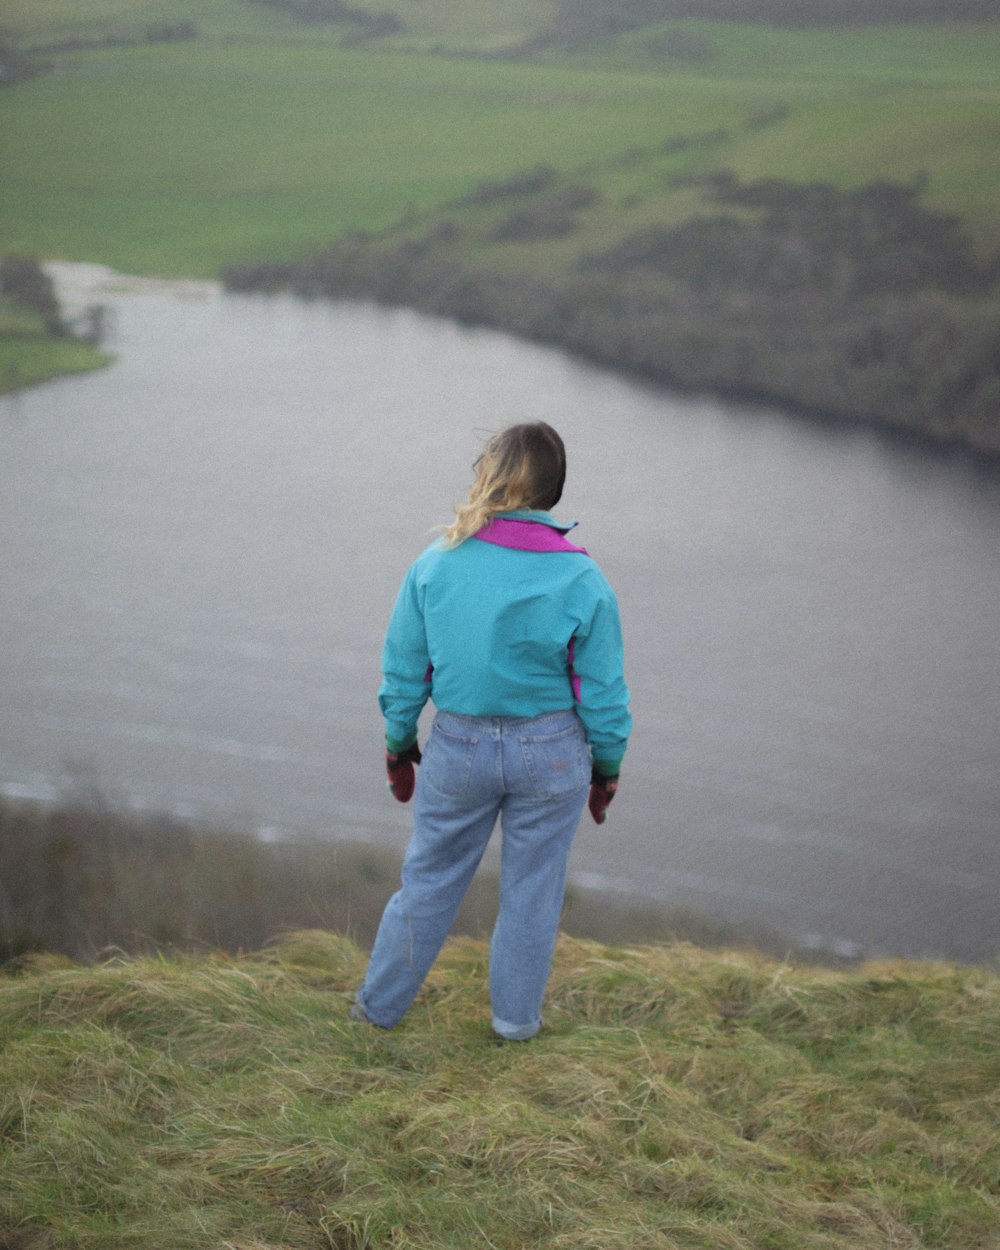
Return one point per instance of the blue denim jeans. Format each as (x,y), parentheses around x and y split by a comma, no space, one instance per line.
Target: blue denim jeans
(534,774)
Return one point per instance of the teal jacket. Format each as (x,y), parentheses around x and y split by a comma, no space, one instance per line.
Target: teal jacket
(508,627)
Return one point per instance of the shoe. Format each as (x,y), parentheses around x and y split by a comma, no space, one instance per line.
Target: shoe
(358,1013)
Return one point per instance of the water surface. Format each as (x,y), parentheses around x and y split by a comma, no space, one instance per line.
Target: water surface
(199,549)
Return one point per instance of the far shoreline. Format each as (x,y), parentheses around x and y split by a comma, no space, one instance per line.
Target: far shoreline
(79,283)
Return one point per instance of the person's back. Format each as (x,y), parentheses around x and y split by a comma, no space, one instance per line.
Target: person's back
(510,632)
(513,632)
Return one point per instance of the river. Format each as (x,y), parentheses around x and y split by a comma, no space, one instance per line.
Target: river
(200,545)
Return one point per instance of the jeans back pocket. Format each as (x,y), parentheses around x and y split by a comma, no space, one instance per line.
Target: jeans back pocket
(558,763)
(447,761)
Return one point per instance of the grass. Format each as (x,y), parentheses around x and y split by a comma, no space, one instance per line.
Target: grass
(951,137)
(676,1099)
(176,161)
(44,23)
(266,138)
(26,360)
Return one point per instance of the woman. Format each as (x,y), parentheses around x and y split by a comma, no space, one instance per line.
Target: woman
(514,634)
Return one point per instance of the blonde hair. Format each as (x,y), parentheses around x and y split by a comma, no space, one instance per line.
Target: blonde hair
(524,466)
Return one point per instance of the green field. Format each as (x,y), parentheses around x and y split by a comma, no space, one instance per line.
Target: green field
(266,138)
(177,160)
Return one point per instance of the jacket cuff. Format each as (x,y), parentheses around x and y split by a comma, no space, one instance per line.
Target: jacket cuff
(395,745)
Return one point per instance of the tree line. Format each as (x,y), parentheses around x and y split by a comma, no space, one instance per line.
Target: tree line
(26,284)
(371,25)
(590,19)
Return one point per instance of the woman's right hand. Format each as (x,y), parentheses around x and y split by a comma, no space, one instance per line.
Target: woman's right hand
(400,777)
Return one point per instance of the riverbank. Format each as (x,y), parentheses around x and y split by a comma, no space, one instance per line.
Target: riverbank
(28,357)
(80,878)
(39,338)
(863,306)
(29,360)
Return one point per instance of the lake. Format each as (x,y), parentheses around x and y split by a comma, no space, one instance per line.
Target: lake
(200,546)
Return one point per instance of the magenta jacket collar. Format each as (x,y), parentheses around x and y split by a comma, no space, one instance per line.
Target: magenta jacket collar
(527,530)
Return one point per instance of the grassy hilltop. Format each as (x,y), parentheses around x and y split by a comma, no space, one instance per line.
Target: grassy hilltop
(189,1095)
(778,207)
(676,1100)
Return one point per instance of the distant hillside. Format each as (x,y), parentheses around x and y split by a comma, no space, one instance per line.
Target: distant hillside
(777,208)
(674,1101)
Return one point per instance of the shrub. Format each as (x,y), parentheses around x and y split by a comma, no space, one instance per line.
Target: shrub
(23,279)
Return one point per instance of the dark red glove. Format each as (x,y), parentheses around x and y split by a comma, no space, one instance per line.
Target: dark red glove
(400,776)
(602,791)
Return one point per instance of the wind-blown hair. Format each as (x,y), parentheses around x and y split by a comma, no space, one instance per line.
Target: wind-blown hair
(524,466)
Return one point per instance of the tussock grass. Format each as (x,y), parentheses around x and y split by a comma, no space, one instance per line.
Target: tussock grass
(676,1098)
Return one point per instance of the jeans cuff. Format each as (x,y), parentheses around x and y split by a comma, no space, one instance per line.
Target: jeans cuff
(515,1032)
(359,1011)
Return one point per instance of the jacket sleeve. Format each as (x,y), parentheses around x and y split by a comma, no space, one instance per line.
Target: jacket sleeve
(406,684)
(598,662)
